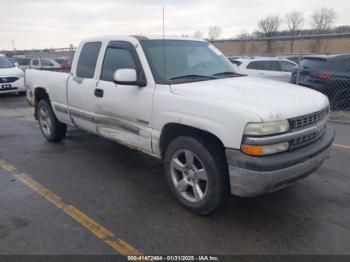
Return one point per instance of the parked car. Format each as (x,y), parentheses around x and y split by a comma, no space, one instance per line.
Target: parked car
(266,67)
(180,100)
(64,63)
(44,63)
(327,74)
(11,77)
(22,62)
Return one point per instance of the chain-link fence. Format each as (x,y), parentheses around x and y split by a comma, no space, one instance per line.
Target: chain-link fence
(322,63)
(67,52)
(57,59)
(330,75)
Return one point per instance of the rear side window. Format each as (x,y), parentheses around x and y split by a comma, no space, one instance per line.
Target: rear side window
(257,65)
(313,64)
(286,66)
(22,61)
(116,58)
(88,59)
(45,62)
(272,66)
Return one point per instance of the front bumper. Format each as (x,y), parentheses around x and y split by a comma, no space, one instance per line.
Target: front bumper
(251,176)
(30,97)
(16,86)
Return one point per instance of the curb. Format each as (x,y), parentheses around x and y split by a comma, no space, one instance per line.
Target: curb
(343,122)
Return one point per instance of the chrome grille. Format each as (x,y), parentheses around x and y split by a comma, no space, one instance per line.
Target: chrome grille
(6,80)
(304,121)
(303,139)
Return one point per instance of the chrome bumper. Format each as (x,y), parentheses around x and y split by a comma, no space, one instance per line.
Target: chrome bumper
(251,176)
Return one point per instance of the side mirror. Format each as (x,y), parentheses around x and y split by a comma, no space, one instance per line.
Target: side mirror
(16,64)
(127,76)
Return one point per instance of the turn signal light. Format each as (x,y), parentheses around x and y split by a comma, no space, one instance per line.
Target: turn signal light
(252,150)
(264,150)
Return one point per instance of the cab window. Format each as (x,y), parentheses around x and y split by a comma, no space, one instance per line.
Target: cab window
(116,58)
(88,59)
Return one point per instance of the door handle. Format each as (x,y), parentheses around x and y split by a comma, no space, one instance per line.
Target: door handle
(98,92)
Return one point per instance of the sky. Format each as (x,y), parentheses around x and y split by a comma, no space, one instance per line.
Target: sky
(59,23)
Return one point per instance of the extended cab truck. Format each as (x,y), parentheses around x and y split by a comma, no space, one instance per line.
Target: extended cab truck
(180,100)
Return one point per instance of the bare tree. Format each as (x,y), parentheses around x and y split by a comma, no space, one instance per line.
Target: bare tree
(269,27)
(243,36)
(214,32)
(321,21)
(295,21)
(198,34)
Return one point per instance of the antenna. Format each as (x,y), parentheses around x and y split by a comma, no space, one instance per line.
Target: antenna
(163,21)
(163,43)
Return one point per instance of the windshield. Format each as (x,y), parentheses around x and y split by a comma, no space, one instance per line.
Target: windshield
(5,62)
(186,61)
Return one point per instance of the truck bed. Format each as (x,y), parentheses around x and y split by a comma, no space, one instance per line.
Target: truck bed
(55,83)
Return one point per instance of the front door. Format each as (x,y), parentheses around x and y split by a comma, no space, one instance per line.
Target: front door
(123,112)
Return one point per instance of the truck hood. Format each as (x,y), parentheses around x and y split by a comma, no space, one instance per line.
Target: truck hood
(12,71)
(268,99)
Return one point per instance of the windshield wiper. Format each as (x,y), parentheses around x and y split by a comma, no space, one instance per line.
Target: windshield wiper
(193,76)
(228,73)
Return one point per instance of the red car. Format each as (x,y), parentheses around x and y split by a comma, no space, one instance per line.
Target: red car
(64,63)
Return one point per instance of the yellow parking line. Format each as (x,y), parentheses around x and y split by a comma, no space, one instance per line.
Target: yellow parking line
(98,230)
(341,146)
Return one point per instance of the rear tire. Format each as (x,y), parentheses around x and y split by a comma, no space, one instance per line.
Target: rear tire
(51,128)
(197,174)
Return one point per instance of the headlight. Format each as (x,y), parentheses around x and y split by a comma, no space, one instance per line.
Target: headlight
(264,150)
(267,128)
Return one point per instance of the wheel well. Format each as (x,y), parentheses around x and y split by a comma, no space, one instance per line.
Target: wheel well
(171,131)
(39,94)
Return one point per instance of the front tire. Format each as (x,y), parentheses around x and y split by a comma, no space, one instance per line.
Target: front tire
(197,174)
(51,128)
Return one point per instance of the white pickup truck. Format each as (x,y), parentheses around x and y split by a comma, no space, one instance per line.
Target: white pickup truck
(180,100)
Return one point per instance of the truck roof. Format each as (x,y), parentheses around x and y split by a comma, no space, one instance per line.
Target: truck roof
(139,37)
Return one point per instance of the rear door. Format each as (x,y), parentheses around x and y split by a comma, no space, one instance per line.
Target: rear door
(285,69)
(123,112)
(255,68)
(271,69)
(82,85)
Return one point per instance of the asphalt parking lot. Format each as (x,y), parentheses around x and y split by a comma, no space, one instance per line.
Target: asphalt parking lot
(88,195)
